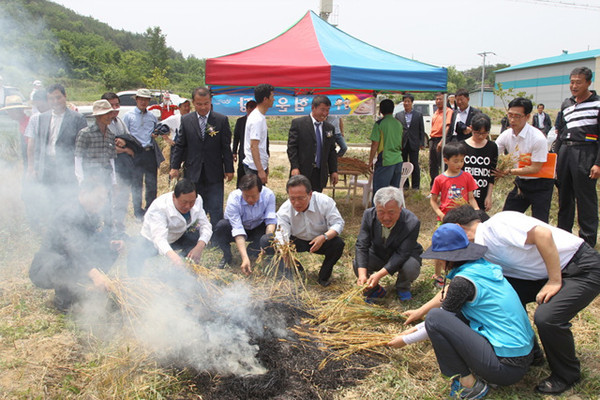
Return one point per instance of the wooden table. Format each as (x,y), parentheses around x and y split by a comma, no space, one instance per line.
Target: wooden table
(349,184)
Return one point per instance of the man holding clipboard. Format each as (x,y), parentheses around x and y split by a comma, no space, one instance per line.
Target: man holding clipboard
(529,146)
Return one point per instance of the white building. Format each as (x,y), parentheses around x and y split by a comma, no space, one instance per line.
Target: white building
(547,79)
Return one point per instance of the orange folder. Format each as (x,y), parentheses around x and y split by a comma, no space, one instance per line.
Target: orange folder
(548,168)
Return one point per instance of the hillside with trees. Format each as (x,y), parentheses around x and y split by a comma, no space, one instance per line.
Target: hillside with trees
(44,40)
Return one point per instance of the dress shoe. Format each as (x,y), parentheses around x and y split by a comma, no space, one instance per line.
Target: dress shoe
(553,385)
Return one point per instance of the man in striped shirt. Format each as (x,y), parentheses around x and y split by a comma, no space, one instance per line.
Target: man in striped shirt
(578,164)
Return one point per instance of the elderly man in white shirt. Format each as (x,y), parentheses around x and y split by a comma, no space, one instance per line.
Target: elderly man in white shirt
(313,223)
(174,221)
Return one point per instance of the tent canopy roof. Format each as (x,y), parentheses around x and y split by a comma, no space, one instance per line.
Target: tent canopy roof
(314,54)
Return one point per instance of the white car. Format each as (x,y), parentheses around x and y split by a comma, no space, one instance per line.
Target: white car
(127,101)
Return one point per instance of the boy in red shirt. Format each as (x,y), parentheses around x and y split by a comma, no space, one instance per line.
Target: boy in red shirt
(455,187)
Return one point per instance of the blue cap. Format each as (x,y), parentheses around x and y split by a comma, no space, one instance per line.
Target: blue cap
(450,243)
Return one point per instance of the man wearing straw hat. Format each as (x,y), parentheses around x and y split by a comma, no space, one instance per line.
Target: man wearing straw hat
(15,109)
(95,145)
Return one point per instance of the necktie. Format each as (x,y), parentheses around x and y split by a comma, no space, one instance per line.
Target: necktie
(319,144)
(203,126)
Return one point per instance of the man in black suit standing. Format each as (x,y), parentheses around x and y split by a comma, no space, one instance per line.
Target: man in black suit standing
(204,146)
(460,126)
(311,145)
(414,137)
(541,120)
(238,140)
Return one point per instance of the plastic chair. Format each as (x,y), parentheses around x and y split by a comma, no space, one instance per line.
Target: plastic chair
(407,169)
(367,188)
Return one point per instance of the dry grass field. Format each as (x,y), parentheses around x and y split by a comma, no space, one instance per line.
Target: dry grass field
(48,355)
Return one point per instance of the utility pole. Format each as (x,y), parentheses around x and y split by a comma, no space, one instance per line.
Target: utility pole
(484,54)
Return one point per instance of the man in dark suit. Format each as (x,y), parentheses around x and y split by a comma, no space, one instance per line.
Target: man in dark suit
(311,145)
(52,147)
(541,120)
(238,140)
(460,126)
(386,244)
(414,137)
(204,146)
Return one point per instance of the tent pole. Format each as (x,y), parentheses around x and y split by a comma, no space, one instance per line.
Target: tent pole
(443,131)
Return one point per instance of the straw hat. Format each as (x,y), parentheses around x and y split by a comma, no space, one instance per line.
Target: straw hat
(14,102)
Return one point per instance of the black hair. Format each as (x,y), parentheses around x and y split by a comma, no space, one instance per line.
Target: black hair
(541,104)
(321,99)
(386,106)
(299,180)
(585,71)
(184,186)
(462,215)
(408,96)
(481,120)
(251,104)
(462,92)
(263,91)
(522,102)
(454,149)
(109,96)
(250,181)
(57,86)
(201,91)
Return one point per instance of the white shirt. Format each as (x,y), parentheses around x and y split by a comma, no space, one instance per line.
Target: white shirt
(505,234)
(32,126)
(540,120)
(256,129)
(460,116)
(173,122)
(529,141)
(55,124)
(164,224)
(320,216)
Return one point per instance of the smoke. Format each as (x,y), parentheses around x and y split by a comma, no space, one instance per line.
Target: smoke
(27,48)
(184,321)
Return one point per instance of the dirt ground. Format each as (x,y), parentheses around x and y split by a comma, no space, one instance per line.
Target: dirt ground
(44,354)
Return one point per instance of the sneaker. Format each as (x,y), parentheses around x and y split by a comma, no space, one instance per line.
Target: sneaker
(438,281)
(404,295)
(458,391)
(553,385)
(375,294)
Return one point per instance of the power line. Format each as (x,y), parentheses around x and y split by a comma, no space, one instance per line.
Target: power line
(558,3)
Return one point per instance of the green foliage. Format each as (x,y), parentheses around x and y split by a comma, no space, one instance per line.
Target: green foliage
(471,79)
(50,42)
(506,95)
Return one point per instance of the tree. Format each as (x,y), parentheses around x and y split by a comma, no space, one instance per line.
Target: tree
(507,95)
(157,80)
(158,53)
(456,79)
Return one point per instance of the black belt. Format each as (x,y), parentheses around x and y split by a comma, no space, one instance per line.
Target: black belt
(577,143)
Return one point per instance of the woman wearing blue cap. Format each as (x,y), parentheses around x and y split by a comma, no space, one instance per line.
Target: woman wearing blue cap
(479,330)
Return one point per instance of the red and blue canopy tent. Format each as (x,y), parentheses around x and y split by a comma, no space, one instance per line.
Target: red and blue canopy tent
(314,57)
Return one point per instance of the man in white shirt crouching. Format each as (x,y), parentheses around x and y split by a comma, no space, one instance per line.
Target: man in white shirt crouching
(313,223)
(174,221)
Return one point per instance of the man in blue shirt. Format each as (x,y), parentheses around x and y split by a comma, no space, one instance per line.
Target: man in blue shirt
(249,216)
(141,124)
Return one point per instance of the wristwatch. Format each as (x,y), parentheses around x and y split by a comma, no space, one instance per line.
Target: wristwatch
(326,238)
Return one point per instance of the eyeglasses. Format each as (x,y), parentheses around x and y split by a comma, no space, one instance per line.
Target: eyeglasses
(298,199)
(515,116)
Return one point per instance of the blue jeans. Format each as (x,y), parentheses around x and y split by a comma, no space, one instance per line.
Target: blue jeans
(386,176)
(339,139)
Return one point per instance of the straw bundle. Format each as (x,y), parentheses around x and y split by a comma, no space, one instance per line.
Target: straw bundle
(506,162)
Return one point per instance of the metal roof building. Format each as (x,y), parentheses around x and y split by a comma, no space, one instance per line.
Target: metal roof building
(547,79)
